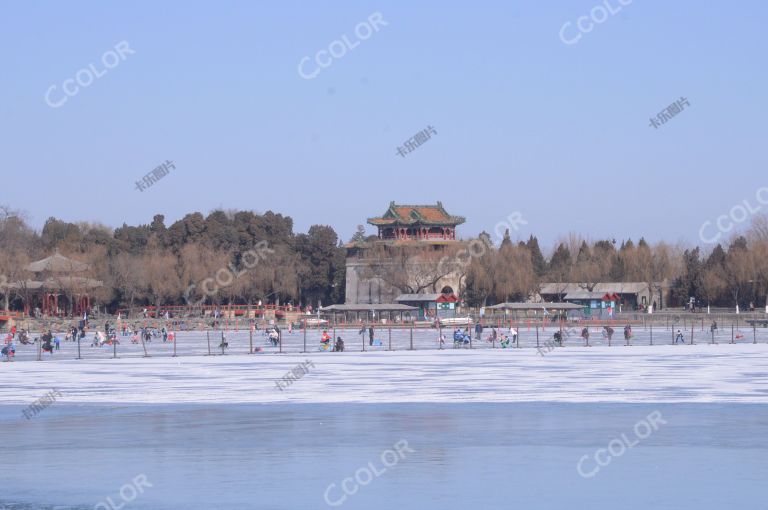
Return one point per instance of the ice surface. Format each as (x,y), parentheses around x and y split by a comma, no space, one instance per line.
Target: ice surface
(665,373)
(489,429)
(484,456)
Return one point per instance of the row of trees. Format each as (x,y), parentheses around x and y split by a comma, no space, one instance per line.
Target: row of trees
(211,259)
(735,274)
(196,259)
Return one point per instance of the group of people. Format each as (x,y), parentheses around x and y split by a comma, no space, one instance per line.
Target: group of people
(49,342)
(21,335)
(461,338)
(608,332)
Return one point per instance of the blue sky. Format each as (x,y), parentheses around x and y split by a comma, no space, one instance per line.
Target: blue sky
(557,132)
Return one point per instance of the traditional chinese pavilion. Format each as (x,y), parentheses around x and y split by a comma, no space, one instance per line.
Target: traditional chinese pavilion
(402,226)
(57,286)
(417,223)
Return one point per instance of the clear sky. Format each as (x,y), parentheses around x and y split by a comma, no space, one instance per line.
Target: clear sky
(525,122)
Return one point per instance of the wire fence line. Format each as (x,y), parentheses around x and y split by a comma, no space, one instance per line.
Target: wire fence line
(213,342)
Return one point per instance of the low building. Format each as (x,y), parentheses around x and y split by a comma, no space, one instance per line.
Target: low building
(618,296)
(431,306)
(515,311)
(594,304)
(368,313)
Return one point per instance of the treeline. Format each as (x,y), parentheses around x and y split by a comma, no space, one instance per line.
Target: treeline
(210,259)
(196,259)
(735,273)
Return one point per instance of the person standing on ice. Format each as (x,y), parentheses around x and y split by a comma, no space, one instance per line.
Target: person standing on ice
(478,330)
(513,332)
(370,335)
(585,334)
(680,337)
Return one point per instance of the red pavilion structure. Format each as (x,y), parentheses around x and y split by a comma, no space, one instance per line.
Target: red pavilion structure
(417,223)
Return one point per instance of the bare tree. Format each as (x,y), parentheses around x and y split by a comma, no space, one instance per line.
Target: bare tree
(758,230)
(13,275)
(125,276)
(515,276)
(199,265)
(159,277)
(16,239)
(411,270)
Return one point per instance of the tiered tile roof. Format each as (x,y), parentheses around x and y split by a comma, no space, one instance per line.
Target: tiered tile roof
(406,215)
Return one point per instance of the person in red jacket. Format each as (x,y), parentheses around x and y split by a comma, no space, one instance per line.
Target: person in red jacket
(325,339)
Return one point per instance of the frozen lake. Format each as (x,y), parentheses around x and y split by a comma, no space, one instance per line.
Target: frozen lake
(663,426)
(479,455)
